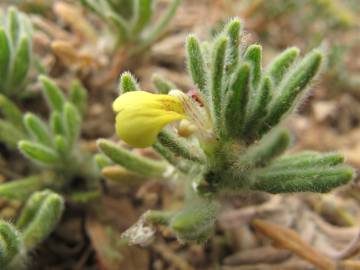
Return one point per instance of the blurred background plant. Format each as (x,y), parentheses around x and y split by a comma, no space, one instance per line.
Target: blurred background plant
(15,52)
(96,36)
(31,6)
(37,220)
(130,21)
(61,164)
(321,21)
(53,146)
(318,18)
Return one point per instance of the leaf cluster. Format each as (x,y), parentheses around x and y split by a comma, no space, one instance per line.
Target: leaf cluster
(36,221)
(15,51)
(131,20)
(246,104)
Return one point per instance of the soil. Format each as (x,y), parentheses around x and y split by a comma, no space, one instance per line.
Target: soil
(252,232)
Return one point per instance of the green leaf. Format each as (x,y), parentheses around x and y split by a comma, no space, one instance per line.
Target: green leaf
(178,146)
(253,56)
(123,7)
(45,219)
(142,14)
(72,122)
(78,96)
(93,6)
(21,62)
(217,76)
(237,99)
(162,85)
(56,123)
(14,26)
(303,180)
(196,64)
(172,158)
(195,221)
(31,208)
(37,129)
(158,217)
(20,189)
(131,161)
(127,83)
(233,30)
(52,93)
(5,54)
(308,159)
(102,161)
(10,134)
(293,88)
(10,243)
(11,112)
(61,146)
(38,153)
(120,25)
(258,108)
(261,153)
(161,24)
(278,68)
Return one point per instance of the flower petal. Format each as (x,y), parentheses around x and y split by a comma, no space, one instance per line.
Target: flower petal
(142,115)
(141,98)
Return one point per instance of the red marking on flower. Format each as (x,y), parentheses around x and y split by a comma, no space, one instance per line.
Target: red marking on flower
(196,97)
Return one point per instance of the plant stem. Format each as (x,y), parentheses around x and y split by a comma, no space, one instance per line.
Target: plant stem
(159,28)
(22,188)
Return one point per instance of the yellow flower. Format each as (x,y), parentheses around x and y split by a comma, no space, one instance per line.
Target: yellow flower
(141,116)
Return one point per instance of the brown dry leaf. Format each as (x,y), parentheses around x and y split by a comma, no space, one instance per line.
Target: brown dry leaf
(291,265)
(119,174)
(172,257)
(353,154)
(336,233)
(242,238)
(50,28)
(89,145)
(251,9)
(73,57)
(266,254)
(111,253)
(236,217)
(118,62)
(119,212)
(288,239)
(73,16)
(350,265)
(323,110)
